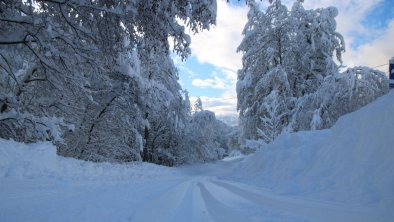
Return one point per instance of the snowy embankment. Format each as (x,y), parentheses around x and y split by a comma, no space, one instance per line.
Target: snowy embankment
(40,161)
(352,162)
(38,185)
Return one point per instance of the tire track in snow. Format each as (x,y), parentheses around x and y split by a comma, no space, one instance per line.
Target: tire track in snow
(192,207)
(183,202)
(246,209)
(185,207)
(162,207)
(217,209)
(308,210)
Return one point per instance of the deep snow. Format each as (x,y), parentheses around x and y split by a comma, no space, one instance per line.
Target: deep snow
(352,162)
(341,174)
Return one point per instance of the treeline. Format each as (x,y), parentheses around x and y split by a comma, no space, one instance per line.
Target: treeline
(95,77)
(289,80)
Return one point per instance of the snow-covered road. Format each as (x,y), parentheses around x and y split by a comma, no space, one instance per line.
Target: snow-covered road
(193,193)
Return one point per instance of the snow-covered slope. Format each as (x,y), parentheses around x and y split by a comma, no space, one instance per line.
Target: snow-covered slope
(351,162)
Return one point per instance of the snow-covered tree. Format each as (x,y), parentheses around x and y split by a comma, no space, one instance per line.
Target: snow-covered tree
(166,111)
(314,44)
(285,52)
(339,94)
(187,104)
(205,139)
(275,116)
(198,105)
(81,60)
(264,45)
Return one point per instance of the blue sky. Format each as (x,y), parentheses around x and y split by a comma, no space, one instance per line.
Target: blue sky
(367,26)
(380,15)
(192,71)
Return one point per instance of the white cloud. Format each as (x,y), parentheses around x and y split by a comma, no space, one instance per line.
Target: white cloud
(218,48)
(374,53)
(185,70)
(218,45)
(222,78)
(225,105)
(216,83)
(220,106)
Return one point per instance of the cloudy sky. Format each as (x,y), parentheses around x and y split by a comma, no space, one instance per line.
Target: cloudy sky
(210,73)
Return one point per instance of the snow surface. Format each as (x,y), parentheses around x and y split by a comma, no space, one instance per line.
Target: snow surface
(341,174)
(352,162)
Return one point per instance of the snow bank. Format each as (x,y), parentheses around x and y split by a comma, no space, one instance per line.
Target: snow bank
(39,160)
(351,162)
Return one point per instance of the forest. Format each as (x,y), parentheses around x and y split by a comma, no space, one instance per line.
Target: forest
(97,124)
(96,78)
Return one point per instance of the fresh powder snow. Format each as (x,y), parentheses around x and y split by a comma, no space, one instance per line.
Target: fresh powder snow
(345,173)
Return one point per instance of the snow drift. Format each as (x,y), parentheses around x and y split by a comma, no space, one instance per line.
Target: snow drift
(351,162)
(40,161)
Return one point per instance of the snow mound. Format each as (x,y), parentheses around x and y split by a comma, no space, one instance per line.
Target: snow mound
(351,162)
(39,160)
